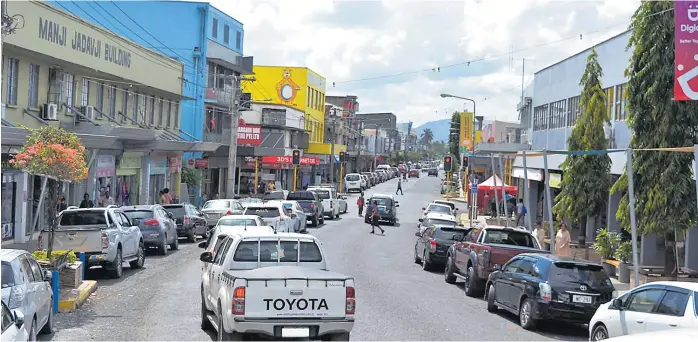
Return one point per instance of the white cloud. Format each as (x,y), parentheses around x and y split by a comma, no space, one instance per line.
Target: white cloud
(349,40)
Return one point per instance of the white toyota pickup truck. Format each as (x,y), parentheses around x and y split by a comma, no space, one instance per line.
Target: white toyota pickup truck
(277,286)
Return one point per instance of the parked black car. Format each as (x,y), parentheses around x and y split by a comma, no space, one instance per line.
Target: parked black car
(387,207)
(311,204)
(190,221)
(431,248)
(433,172)
(547,287)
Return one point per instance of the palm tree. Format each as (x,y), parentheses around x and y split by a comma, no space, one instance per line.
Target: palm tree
(427,136)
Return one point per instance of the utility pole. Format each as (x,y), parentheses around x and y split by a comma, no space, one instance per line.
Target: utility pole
(233,151)
(332,138)
(375,150)
(358,149)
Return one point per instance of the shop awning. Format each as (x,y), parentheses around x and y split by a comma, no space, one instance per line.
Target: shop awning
(17,136)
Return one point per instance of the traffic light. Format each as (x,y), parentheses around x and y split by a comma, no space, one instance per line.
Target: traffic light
(465,162)
(296,157)
(341,157)
(448,166)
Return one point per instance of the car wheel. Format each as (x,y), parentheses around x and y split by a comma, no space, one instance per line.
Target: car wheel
(525,315)
(224,336)
(205,323)
(599,333)
(162,248)
(175,245)
(491,306)
(48,327)
(417,260)
(314,221)
(471,283)
(322,219)
(449,277)
(117,266)
(140,258)
(426,265)
(32,331)
(191,237)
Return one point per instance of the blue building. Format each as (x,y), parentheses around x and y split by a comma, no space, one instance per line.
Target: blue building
(210,45)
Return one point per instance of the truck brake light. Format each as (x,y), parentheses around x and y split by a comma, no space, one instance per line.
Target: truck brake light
(239,301)
(351,301)
(546,292)
(432,242)
(151,222)
(331,205)
(105,241)
(230,212)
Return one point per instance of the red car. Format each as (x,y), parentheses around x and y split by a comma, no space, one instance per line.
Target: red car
(413,173)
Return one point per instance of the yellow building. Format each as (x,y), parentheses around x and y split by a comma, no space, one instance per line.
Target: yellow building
(296,87)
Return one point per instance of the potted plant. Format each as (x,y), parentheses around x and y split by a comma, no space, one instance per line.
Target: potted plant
(605,245)
(624,254)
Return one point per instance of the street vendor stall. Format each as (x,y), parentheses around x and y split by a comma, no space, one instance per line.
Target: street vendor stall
(488,187)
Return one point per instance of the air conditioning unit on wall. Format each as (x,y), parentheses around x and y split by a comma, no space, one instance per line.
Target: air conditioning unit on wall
(49,111)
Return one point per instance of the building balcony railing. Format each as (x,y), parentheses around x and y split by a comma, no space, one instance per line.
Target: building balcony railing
(222,137)
(221,97)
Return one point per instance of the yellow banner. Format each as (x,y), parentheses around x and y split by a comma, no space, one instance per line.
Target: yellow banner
(466,130)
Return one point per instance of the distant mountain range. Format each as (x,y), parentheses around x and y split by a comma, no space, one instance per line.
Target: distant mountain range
(440,128)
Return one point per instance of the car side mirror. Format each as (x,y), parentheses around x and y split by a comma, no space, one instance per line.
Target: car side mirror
(618,304)
(203,244)
(18,318)
(48,276)
(421,220)
(417,234)
(497,267)
(456,209)
(206,257)
(170,215)
(397,205)
(424,208)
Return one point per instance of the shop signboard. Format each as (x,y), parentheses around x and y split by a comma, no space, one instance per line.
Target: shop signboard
(106,166)
(190,163)
(686,50)
(174,164)
(289,160)
(249,134)
(158,165)
(130,163)
(201,163)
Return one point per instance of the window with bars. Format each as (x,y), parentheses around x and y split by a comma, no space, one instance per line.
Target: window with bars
(152,110)
(69,93)
(143,111)
(85,96)
(33,85)
(176,115)
(169,114)
(238,40)
(112,102)
(136,113)
(124,104)
(609,102)
(573,111)
(621,112)
(12,81)
(226,34)
(55,85)
(160,117)
(100,98)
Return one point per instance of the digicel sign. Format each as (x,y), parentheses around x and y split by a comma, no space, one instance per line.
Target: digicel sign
(289,160)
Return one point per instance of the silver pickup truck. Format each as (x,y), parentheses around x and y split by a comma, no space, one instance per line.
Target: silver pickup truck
(276,286)
(105,235)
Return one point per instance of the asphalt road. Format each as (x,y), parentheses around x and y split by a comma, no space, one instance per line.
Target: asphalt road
(396,299)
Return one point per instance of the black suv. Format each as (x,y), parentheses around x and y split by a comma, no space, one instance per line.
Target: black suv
(387,207)
(547,287)
(433,172)
(190,221)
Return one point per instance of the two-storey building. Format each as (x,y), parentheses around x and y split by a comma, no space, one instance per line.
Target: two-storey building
(349,128)
(209,44)
(122,99)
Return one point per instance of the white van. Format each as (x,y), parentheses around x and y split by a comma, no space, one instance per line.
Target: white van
(352,182)
(330,200)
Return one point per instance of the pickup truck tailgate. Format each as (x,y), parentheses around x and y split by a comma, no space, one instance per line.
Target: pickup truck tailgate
(286,292)
(79,238)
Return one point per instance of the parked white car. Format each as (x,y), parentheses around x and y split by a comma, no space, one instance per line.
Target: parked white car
(438,208)
(25,286)
(650,307)
(353,182)
(273,213)
(13,325)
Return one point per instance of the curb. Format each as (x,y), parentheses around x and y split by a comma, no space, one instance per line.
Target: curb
(77,297)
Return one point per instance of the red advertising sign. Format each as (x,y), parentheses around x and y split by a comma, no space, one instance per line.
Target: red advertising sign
(289,160)
(686,50)
(249,135)
(201,163)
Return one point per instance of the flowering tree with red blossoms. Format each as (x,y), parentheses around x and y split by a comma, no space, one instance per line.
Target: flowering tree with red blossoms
(57,155)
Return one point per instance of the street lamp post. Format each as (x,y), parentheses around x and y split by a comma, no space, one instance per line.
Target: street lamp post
(471,176)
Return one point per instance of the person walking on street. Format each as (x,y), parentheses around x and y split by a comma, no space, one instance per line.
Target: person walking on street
(487,200)
(519,210)
(399,187)
(360,204)
(375,217)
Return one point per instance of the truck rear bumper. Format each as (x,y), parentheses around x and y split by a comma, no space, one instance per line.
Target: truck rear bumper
(274,328)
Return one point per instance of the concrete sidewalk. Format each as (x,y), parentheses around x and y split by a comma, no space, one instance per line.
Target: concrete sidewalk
(72,299)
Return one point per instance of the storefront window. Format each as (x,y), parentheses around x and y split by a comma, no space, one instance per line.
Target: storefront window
(9,190)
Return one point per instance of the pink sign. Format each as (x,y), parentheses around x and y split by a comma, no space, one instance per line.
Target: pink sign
(686,50)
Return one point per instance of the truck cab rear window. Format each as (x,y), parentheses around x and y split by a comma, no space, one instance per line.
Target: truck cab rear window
(82,218)
(352,178)
(513,238)
(263,212)
(139,214)
(270,251)
(322,194)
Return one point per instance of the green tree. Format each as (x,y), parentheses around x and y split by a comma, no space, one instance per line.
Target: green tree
(586,179)
(427,137)
(665,198)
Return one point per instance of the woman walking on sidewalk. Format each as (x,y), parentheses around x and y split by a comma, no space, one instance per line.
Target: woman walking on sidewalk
(360,204)
(375,217)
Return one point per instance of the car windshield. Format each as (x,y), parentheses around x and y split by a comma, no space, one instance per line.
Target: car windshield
(437,208)
(352,178)
(217,205)
(237,222)
(452,205)
(263,212)
(284,251)
(510,237)
(569,272)
(382,201)
(431,222)
(83,218)
(274,195)
(446,233)
(8,276)
(322,194)
(139,214)
(301,196)
(176,210)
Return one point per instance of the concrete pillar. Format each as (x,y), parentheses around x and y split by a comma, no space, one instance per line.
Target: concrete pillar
(144,190)
(691,250)
(533,201)
(652,250)
(592,225)
(221,183)
(612,223)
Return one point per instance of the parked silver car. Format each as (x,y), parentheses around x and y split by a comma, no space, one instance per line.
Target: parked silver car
(217,208)
(25,286)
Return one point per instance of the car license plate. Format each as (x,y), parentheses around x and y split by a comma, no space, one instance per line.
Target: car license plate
(581,299)
(295,332)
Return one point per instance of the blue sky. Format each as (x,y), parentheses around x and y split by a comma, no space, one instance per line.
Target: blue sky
(350,40)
